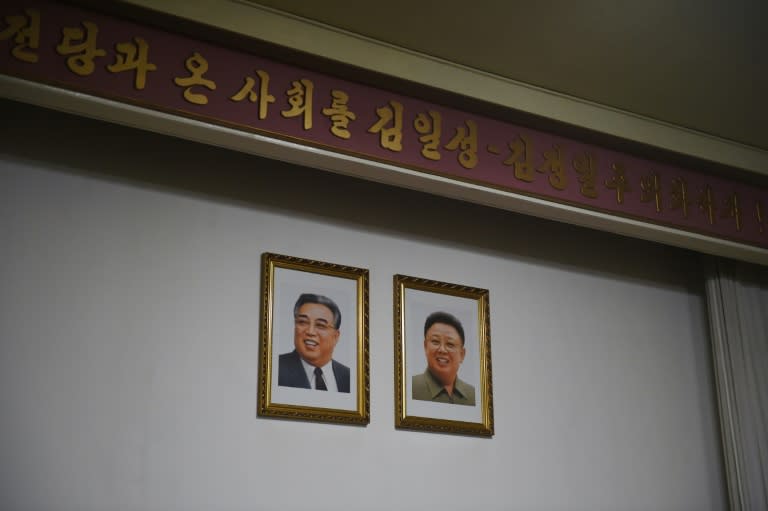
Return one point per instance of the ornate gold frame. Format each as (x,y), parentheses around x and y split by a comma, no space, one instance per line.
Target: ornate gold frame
(408,420)
(267,405)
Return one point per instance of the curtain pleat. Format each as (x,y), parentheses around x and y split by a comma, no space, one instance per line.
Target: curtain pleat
(737,297)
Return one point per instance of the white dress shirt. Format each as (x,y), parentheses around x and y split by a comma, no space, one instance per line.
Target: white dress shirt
(328,376)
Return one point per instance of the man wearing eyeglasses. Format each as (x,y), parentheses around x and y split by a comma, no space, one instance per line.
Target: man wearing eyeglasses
(316,320)
(444,350)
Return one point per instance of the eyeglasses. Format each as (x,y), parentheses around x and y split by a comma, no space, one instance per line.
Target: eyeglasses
(320,326)
(450,347)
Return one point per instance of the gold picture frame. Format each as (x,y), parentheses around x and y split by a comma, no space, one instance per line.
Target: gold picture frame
(313,314)
(442,334)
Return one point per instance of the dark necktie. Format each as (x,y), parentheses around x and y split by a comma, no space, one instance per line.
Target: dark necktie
(319,382)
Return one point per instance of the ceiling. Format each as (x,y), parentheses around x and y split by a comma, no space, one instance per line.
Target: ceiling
(700,64)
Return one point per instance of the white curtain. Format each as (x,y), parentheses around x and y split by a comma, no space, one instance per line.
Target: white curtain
(737,296)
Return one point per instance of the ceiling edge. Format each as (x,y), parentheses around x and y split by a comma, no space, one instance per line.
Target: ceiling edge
(280,28)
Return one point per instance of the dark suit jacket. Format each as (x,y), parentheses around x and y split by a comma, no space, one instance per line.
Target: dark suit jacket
(291,373)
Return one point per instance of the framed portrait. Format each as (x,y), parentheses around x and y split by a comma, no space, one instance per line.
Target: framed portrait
(442,357)
(313,357)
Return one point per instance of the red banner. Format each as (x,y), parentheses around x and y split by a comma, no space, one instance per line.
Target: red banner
(112,58)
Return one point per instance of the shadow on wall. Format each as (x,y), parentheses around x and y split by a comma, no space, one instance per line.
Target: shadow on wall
(140,158)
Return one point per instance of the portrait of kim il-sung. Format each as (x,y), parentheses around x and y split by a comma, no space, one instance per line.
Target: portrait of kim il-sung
(313,360)
(442,357)
(316,320)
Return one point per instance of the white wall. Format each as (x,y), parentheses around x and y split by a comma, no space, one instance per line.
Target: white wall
(129,323)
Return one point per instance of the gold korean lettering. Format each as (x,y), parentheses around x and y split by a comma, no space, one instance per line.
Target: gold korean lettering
(732,209)
(618,182)
(553,165)
(585,166)
(706,203)
(340,114)
(133,55)
(25,31)
(680,195)
(300,99)
(466,140)
(650,190)
(429,126)
(81,45)
(520,159)
(197,66)
(263,96)
(389,137)
(759,216)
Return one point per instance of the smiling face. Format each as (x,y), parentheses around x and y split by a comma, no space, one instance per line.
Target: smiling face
(444,351)
(314,335)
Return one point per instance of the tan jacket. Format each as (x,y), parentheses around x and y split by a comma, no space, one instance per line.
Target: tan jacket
(426,387)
